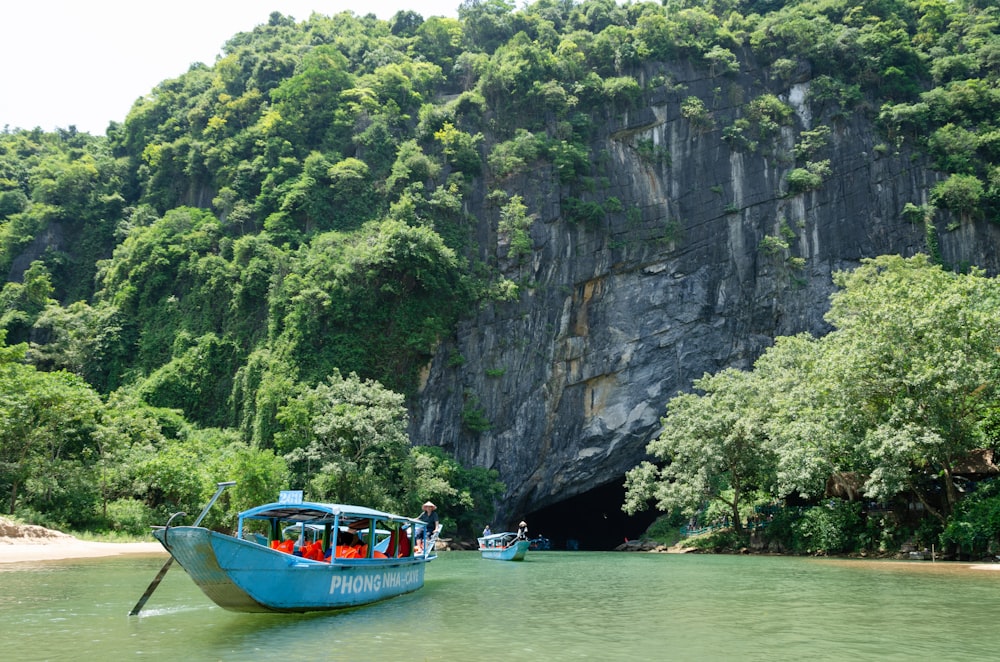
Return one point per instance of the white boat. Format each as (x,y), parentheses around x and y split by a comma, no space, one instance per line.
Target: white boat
(503,547)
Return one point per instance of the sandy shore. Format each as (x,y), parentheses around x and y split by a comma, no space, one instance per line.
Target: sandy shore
(18,552)
(25,542)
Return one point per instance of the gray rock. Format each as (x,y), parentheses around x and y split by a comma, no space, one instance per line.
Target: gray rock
(615,319)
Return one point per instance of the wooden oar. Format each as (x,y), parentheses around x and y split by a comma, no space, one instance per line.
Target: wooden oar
(166,566)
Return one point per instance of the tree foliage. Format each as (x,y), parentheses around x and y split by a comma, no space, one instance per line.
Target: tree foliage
(900,394)
(302,207)
(714,446)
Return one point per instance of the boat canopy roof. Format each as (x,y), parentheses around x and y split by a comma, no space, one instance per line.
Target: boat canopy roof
(319,513)
(499,536)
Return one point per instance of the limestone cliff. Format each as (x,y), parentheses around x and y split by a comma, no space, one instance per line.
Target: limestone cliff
(709,260)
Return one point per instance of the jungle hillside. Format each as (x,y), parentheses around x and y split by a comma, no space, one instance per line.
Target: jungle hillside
(247,277)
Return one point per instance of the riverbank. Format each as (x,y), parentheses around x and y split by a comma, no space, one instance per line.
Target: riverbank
(681,548)
(26,542)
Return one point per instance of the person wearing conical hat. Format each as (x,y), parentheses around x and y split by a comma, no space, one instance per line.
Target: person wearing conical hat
(522,530)
(430,517)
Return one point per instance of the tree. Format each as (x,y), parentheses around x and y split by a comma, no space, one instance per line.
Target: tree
(960,193)
(353,200)
(514,226)
(260,475)
(404,23)
(803,419)
(460,148)
(411,165)
(306,101)
(916,368)
(439,40)
(374,302)
(466,497)
(47,452)
(713,446)
(130,432)
(487,23)
(350,443)
(196,380)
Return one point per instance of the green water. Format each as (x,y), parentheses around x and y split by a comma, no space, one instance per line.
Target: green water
(553,606)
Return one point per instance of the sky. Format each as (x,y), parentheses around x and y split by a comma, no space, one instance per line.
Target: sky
(84,63)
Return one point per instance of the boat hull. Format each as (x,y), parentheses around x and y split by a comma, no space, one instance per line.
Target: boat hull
(240,575)
(514,552)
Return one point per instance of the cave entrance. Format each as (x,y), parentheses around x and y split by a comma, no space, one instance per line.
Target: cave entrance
(591,521)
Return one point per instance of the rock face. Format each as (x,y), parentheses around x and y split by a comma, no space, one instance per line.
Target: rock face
(705,260)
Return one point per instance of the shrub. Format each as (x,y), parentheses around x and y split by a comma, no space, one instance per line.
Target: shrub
(514,155)
(801,180)
(473,417)
(830,528)
(583,212)
(772,245)
(959,193)
(569,159)
(693,109)
(516,224)
(129,516)
(975,525)
(768,113)
(623,90)
(665,529)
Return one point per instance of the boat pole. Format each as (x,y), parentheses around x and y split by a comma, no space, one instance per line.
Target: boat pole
(166,566)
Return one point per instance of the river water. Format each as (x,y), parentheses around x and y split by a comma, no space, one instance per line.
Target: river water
(552,606)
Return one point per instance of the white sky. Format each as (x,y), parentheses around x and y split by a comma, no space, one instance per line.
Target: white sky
(85,62)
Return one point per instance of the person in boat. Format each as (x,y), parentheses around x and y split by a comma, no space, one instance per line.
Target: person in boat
(361,537)
(487,531)
(347,545)
(429,517)
(522,530)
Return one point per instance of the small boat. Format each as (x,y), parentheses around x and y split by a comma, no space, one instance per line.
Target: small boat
(540,543)
(503,547)
(297,556)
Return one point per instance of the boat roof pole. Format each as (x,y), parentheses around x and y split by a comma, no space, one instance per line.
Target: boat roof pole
(218,492)
(166,566)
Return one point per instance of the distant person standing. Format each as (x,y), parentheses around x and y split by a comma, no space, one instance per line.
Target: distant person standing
(522,530)
(487,531)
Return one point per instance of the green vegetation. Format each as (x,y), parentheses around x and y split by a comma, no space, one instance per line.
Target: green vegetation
(515,224)
(809,178)
(186,294)
(892,404)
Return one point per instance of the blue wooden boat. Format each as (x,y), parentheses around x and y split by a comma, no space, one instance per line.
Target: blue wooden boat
(503,547)
(343,556)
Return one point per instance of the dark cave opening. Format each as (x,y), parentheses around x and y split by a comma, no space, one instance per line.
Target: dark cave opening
(592,521)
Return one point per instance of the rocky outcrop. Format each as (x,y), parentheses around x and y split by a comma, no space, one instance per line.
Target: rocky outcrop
(703,261)
(651,546)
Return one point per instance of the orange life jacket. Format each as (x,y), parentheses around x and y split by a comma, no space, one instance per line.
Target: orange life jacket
(346,552)
(286,546)
(313,550)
